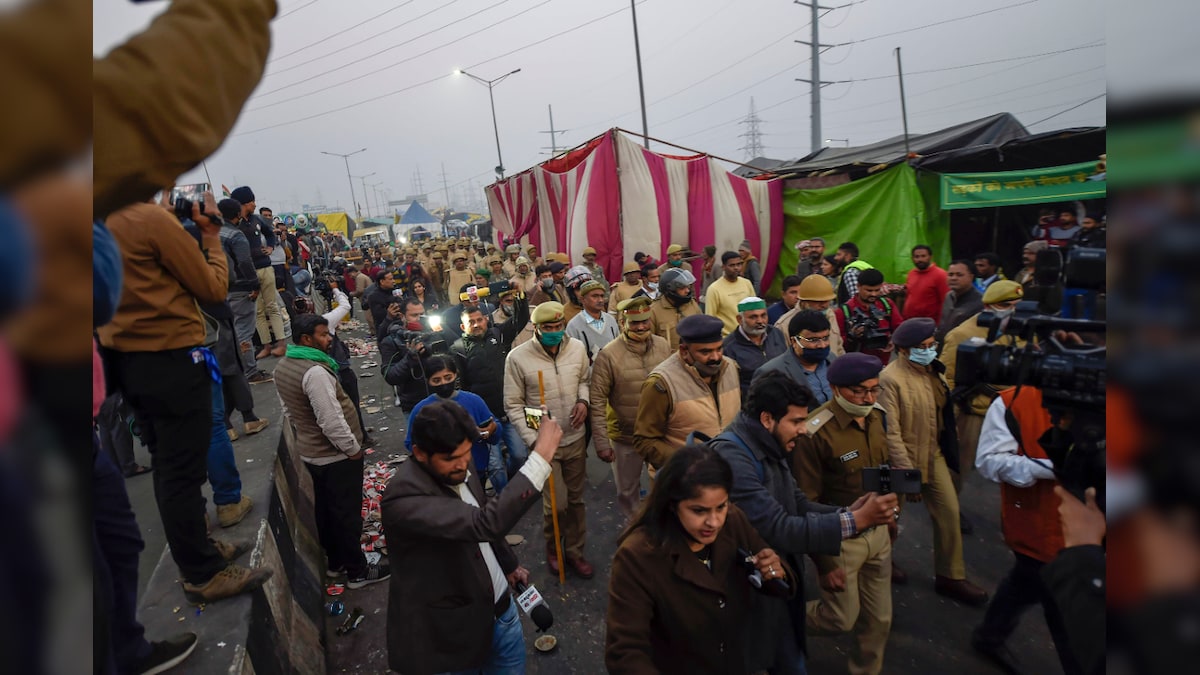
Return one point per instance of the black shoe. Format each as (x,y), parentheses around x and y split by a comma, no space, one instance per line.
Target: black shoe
(964,525)
(375,573)
(167,654)
(997,653)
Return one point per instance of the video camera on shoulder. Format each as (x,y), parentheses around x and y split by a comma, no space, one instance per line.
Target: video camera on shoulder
(872,336)
(430,334)
(883,479)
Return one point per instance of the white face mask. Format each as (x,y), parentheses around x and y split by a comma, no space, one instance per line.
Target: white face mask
(652,285)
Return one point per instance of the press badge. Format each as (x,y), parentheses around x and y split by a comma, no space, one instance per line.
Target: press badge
(853,454)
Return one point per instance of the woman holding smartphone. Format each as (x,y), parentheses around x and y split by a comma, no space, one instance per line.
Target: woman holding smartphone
(680,590)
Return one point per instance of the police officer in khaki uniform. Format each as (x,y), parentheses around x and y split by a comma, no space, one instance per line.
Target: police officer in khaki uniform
(457,277)
(628,288)
(594,268)
(673,303)
(843,437)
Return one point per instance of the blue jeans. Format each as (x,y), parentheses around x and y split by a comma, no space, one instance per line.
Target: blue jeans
(222,467)
(508,647)
(496,472)
(518,452)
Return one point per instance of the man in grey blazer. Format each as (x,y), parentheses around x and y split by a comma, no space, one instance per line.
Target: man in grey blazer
(449,606)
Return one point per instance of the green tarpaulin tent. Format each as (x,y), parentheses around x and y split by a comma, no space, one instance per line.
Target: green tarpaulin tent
(885,214)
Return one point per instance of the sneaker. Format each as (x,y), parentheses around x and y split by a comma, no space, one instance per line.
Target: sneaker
(256,426)
(375,573)
(260,377)
(231,551)
(231,581)
(166,654)
(335,575)
(232,514)
(233,435)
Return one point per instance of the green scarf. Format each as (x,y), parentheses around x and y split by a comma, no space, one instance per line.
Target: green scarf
(295,351)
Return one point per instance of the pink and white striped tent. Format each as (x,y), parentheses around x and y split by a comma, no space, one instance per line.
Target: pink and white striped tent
(616,196)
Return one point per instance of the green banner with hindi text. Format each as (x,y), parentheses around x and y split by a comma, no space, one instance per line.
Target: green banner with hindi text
(1014,188)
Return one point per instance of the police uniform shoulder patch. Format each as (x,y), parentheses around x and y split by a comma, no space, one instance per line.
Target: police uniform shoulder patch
(816,421)
(660,385)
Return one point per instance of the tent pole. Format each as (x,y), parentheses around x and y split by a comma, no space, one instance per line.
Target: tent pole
(903,105)
(698,152)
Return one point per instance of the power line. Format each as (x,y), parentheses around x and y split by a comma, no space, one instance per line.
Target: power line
(398,46)
(980,63)
(938,23)
(1067,110)
(365,40)
(293,11)
(344,30)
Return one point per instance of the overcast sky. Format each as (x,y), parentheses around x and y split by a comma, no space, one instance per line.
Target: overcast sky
(703,60)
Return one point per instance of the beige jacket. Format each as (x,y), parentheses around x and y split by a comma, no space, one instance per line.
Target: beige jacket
(618,372)
(565,378)
(913,398)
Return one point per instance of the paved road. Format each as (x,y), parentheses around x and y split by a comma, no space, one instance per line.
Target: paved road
(929,635)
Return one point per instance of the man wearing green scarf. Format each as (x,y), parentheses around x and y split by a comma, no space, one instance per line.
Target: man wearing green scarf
(843,437)
(328,438)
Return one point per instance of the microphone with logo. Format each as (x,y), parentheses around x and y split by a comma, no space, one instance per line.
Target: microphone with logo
(531,602)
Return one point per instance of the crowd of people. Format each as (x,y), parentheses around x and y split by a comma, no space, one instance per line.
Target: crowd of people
(755,422)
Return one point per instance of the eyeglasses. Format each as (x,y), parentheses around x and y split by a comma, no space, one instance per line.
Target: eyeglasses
(812,341)
(863,391)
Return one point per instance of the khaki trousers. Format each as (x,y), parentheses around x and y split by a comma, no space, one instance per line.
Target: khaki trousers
(267,307)
(627,476)
(570,477)
(865,607)
(941,501)
(968,426)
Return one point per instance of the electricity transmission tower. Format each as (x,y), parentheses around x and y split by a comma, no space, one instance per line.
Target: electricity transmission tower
(753,135)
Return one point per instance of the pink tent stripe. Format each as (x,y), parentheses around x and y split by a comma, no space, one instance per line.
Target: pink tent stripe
(657,165)
(701,220)
(775,201)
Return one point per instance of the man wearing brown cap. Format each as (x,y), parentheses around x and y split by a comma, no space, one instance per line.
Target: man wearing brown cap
(552,370)
(511,253)
(524,278)
(816,293)
(458,277)
(630,285)
(1001,299)
(592,326)
(674,258)
(843,437)
(618,372)
(597,272)
(921,435)
(694,389)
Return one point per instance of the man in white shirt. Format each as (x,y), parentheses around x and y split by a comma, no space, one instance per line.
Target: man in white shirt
(449,607)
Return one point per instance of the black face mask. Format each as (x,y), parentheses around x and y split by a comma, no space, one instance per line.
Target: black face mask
(444,390)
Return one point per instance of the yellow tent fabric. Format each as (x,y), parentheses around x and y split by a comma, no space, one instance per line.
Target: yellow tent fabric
(335,222)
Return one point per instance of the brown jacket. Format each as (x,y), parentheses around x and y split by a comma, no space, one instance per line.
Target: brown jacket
(441,603)
(664,317)
(618,372)
(621,291)
(165,273)
(913,399)
(667,613)
(675,402)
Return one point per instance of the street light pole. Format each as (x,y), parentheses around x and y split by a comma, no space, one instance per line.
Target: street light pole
(346,158)
(492,99)
(363,179)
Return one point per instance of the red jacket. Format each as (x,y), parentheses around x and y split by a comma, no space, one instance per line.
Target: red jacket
(1029,516)
(927,290)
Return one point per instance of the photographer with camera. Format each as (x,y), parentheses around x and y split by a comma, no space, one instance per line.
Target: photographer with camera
(378,298)
(480,355)
(921,435)
(866,322)
(1011,453)
(402,346)
(844,437)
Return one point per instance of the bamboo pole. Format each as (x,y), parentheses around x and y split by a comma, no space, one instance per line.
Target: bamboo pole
(562,570)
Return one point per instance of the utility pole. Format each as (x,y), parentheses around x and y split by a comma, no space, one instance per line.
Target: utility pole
(418,186)
(346,158)
(637,52)
(553,133)
(815,81)
(445,186)
(363,180)
(903,103)
(753,147)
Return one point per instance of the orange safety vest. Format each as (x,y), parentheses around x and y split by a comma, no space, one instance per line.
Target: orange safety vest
(1029,516)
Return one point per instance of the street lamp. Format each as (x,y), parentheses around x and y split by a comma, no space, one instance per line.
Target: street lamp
(346,158)
(495,127)
(839,140)
(378,205)
(363,179)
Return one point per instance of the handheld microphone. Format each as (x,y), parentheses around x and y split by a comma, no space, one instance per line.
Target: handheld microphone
(531,602)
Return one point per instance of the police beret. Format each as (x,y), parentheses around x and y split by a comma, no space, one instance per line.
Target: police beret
(913,332)
(852,368)
(699,329)
(1003,291)
(547,312)
(636,308)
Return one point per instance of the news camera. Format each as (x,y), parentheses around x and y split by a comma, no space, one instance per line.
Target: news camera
(862,328)
(430,334)
(1049,354)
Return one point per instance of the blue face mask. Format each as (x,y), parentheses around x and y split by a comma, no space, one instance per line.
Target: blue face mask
(815,355)
(552,339)
(922,356)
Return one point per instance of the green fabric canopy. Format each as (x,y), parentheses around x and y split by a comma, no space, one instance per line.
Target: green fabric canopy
(884,214)
(1013,188)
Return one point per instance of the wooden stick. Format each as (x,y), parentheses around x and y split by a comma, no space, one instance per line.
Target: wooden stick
(562,570)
